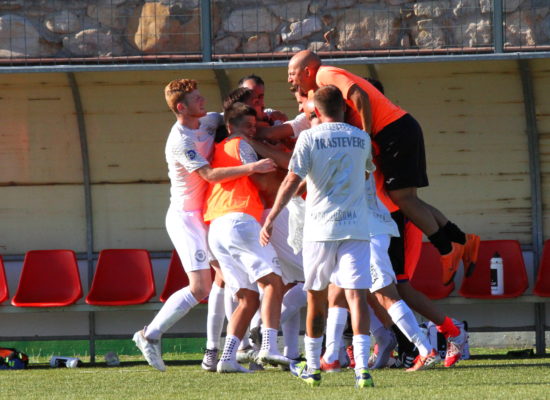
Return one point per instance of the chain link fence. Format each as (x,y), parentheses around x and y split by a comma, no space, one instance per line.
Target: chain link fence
(35,32)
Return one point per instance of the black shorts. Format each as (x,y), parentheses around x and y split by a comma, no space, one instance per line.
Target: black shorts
(401,157)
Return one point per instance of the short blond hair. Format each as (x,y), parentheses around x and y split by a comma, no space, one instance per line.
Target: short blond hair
(176,91)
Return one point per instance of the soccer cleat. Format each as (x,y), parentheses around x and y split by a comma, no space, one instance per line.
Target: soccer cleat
(349,350)
(150,350)
(231,366)
(425,362)
(248,354)
(455,347)
(310,376)
(363,379)
(450,262)
(210,360)
(265,357)
(256,336)
(471,250)
(330,367)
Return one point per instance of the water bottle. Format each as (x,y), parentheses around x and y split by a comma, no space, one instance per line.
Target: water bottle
(69,362)
(497,275)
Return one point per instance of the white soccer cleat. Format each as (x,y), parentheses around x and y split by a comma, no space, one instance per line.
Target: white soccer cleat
(150,350)
(455,347)
(232,366)
(266,357)
(247,355)
(210,360)
(385,347)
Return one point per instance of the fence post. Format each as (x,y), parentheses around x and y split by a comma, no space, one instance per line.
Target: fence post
(498,32)
(206,30)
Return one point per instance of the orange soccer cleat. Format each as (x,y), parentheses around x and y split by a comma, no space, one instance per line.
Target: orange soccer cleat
(450,262)
(471,250)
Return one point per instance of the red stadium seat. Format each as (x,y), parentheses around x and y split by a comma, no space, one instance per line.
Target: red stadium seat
(177,279)
(49,278)
(542,285)
(427,276)
(4,293)
(478,284)
(122,277)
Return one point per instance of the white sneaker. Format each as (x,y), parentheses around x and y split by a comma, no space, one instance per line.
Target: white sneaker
(246,355)
(265,357)
(210,360)
(231,367)
(150,350)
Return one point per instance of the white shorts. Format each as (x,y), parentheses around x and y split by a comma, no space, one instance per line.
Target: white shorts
(344,263)
(188,234)
(291,264)
(381,270)
(234,240)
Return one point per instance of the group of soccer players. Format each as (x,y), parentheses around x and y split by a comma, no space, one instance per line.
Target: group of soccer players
(238,183)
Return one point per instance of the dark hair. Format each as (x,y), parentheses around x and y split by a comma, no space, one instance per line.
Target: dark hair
(235,113)
(376,83)
(241,95)
(257,80)
(329,101)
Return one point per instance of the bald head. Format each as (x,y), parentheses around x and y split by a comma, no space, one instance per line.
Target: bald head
(302,70)
(306,58)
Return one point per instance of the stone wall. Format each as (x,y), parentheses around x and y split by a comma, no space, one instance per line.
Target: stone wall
(91,28)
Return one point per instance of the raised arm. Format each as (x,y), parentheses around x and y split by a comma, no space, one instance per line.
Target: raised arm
(360,99)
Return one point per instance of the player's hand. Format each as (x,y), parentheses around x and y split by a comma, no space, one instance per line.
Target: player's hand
(264,166)
(265,233)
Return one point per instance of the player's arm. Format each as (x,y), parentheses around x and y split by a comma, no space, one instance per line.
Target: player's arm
(266,150)
(222,174)
(286,191)
(360,99)
(276,132)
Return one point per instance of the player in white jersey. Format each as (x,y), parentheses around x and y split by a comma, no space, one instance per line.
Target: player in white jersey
(332,157)
(188,149)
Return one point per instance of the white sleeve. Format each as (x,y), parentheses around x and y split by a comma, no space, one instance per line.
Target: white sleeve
(299,124)
(185,152)
(247,153)
(300,162)
(211,121)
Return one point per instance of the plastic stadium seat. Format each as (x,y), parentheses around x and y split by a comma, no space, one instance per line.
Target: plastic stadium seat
(478,284)
(4,293)
(427,278)
(542,285)
(177,278)
(122,277)
(49,278)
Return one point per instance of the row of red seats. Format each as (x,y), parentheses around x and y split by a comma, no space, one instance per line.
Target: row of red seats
(427,275)
(50,278)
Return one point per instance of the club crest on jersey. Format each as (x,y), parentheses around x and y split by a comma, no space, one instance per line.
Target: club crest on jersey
(200,255)
(191,154)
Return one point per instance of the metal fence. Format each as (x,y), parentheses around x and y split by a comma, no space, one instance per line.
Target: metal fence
(35,32)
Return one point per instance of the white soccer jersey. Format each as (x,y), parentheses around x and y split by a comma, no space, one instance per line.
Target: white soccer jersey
(332,156)
(299,124)
(186,151)
(380,220)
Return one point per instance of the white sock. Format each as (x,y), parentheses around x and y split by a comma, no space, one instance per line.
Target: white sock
(215,318)
(269,340)
(361,350)
(293,301)
(375,323)
(336,323)
(171,312)
(230,348)
(291,333)
(403,317)
(313,347)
